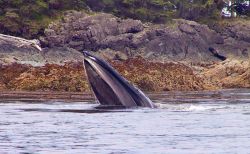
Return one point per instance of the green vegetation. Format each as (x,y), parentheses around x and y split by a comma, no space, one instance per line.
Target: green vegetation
(240,7)
(28,18)
(157,11)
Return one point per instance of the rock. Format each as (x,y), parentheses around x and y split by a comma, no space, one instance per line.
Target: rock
(91,32)
(118,42)
(148,76)
(51,77)
(58,55)
(229,74)
(238,29)
(236,34)
(130,26)
(187,29)
(181,40)
(125,43)
(110,54)
(19,50)
(2,87)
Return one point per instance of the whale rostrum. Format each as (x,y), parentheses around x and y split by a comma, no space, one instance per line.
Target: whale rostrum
(109,87)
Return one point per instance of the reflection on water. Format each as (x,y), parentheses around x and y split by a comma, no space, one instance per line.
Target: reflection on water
(184,122)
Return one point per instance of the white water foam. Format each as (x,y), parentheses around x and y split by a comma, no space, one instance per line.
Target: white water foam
(191,107)
(201,108)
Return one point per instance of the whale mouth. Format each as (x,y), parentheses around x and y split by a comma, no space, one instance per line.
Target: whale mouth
(109,87)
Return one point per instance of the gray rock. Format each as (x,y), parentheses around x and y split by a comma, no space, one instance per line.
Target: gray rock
(187,29)
(120,39)
(91,32)
(16,50)
(182,40)
(130,26)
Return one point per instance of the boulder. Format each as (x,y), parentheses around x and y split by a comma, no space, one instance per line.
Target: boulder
(19,50)
(91,32)
(231,73)
(181,40)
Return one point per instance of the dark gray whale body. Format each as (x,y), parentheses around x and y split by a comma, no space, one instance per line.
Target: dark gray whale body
(110,88)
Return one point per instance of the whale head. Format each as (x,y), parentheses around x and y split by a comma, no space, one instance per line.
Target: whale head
(109,87)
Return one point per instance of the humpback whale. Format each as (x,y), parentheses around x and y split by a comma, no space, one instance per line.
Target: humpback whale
(110,88)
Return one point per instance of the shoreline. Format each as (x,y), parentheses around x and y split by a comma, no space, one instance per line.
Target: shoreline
(172,96)
(181,56)
(45,95)
(146,75)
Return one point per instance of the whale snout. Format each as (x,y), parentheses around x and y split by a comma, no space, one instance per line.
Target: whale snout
(86,54)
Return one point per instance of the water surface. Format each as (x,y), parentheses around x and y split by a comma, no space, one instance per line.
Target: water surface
(184,122)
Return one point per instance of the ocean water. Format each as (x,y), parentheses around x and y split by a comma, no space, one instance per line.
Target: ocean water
(184,122)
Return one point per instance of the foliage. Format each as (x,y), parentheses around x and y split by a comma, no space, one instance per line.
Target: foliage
(240,7)
(28,18)
(158,11)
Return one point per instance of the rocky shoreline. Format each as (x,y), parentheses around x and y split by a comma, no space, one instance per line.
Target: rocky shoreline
(181,55)
(146,75)
(41,96)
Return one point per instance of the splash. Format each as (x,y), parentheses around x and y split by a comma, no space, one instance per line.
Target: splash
(192,107)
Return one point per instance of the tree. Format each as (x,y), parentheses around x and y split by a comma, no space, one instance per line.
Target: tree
(240,7)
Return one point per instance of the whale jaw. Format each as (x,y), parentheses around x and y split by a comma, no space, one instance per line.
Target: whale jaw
(109,87)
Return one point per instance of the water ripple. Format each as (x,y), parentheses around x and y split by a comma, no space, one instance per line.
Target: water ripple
(184,122)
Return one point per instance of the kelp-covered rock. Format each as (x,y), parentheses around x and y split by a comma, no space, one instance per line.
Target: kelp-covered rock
(148,76)
(52,77)
(231,73)
(2,86)
(10,72)
(156,76)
